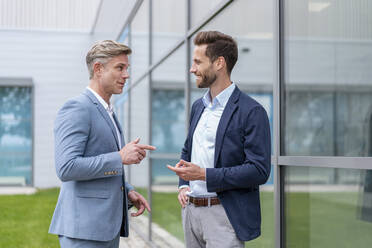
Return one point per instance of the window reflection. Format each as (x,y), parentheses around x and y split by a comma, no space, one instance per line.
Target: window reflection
(15,136)
(327,211)
(328,83)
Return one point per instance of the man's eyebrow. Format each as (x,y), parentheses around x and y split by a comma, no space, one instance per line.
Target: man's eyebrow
(122,64)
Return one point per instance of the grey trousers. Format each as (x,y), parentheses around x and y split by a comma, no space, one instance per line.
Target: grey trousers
(208,227)
(67,242)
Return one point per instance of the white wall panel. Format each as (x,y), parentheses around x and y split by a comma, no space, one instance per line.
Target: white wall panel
(56,64)
(71,15)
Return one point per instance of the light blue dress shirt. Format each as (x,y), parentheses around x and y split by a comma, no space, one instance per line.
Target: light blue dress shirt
(204,138)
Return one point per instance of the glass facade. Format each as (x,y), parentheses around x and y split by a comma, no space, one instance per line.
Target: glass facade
(168,27)
(15,135)
(327,76)
(308,63)
(321,211)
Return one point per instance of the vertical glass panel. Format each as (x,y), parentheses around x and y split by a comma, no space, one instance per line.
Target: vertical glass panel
(168,135)
(253,74)
(140,42)
(166,210)
(200,10)
(139,128)
(328,77)
(15,136)
(168,25)
(327,207)
(123,38)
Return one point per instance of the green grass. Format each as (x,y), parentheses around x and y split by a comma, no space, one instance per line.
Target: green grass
(326,220)
(25,219)
(314,220)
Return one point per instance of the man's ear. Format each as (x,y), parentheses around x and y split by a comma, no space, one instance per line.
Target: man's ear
(97,69)
(220,63)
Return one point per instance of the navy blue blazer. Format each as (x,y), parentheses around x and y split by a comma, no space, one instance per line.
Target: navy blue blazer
(241,160)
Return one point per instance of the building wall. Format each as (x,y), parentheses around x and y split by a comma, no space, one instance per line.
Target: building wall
(54,62)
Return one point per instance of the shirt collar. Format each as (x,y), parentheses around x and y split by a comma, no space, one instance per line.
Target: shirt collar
(106,106)
(221,98)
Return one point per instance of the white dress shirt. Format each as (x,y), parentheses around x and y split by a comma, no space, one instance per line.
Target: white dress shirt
(109,110)
(204,138)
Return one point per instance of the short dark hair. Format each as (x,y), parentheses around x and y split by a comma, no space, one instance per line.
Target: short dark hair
(218,44)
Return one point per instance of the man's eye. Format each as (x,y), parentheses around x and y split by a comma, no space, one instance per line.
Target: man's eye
(120,68)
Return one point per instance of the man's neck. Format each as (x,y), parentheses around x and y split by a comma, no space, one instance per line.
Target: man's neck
(218,86)
(95,86)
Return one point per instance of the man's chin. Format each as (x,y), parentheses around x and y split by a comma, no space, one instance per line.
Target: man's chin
(201,85)
(118,91)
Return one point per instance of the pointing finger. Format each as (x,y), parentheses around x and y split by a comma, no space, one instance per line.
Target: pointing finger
(147,147)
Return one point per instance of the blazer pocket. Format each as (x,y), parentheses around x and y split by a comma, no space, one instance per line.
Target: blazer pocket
(93,194)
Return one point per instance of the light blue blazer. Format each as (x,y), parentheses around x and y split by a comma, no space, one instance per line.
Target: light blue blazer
(92,203)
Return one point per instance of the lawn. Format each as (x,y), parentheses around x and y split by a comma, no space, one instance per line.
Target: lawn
(314,220)
(25,219)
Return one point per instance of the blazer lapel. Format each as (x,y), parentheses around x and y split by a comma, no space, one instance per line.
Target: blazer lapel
(120,130)
(104,114)
(229,110)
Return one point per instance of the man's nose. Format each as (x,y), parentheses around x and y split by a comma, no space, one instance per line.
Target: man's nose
(192,69)
(125,74)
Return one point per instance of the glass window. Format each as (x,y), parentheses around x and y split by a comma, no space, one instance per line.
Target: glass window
(168,135)
(253,74)
(168,25)
(140,42)
(139,128)
(328,78)
(15,136)
(200,9)
(327,207)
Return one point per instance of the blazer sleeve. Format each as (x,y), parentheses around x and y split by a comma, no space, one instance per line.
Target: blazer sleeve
(72,127)
(257,151)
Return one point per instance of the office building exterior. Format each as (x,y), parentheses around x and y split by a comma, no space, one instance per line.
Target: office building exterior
(309,63)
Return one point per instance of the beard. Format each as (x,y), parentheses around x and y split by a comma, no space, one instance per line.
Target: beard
(207,80)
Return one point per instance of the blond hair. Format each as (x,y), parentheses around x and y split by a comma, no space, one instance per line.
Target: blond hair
(104,50)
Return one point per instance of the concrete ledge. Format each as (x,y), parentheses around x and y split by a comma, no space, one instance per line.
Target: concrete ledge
(138,235)
(17,190)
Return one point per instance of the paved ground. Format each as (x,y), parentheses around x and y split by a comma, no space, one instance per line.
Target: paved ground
(133,241)
(160,237)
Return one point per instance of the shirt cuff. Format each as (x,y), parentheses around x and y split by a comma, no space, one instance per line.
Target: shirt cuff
(183,186)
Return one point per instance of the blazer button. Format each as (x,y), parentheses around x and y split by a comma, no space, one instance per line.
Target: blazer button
(122,188)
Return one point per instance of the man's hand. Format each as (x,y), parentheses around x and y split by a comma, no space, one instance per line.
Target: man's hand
(133,153)
(188,171)
(183,197)
(139,202)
